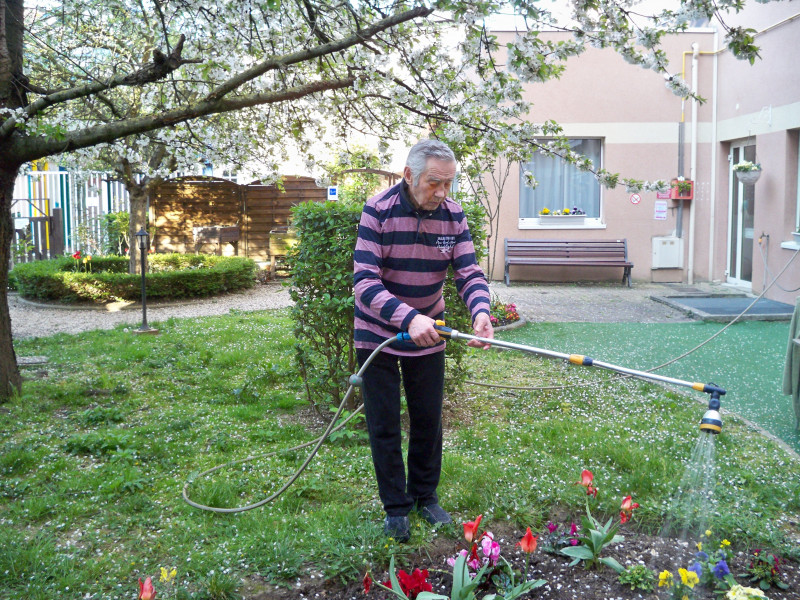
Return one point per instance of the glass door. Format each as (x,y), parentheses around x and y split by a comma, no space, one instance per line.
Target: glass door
(741,211)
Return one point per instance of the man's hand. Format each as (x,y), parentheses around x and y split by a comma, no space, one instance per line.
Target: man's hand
(483,328)
(422,332)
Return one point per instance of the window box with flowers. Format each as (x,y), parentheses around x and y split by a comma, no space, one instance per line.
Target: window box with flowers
(571,216)
(681,189)
(747,172)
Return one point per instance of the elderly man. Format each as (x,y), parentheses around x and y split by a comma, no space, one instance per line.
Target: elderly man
(408,236)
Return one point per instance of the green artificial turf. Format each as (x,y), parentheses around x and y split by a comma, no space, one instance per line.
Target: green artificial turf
(747,359)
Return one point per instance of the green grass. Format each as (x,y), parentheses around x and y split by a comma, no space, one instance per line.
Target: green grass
(94,457)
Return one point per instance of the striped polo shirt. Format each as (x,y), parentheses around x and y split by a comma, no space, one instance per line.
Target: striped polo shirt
(400,264)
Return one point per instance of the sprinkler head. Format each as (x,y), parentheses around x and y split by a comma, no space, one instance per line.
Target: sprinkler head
(711,422)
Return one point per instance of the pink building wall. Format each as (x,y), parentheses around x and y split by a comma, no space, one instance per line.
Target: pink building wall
(636,116)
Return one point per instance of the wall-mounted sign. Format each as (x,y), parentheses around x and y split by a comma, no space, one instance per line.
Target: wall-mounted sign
(663,195)
(635,198)
(333,192)
(660,210)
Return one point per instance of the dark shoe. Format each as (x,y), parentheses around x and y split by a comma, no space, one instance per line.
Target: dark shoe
(398,528)
(435,515)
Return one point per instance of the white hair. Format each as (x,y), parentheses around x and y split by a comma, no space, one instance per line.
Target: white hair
(418,156)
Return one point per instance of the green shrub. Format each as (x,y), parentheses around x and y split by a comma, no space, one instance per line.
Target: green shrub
(172,276)
(322,291)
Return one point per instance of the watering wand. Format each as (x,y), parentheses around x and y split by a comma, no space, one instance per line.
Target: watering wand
(710,423)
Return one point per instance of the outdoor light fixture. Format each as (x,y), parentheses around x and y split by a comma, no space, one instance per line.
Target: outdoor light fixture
(143,240)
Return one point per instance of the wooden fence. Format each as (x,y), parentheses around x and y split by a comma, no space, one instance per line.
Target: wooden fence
(179,208)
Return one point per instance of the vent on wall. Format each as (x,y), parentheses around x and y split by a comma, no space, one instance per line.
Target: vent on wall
(667,252)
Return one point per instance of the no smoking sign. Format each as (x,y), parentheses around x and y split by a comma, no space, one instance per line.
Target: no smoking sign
(635,198)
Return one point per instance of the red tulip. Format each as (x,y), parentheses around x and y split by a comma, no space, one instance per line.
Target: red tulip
(471,528)
(77,255)
(626,510)
(528,542)
(586,481)
(367,581)
(586,478)
(146,590)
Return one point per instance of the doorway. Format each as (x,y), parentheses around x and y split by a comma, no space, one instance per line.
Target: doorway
(740,219)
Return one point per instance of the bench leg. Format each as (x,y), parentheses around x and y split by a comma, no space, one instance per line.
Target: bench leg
(505,273)
(627,275)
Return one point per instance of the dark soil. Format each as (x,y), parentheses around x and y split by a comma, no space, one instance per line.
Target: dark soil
(563,581)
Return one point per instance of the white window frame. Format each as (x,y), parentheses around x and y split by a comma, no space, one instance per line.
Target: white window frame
(588,222)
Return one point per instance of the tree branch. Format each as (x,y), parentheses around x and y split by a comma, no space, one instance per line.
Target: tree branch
(30,148)
(162,65)
(316,52)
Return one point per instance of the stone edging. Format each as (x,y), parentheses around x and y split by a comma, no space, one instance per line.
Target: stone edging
(513,325)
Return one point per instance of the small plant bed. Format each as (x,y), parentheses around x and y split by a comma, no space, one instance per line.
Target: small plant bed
(501,313)
(102,279)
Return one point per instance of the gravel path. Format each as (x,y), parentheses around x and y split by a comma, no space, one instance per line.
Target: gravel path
(598,303)
(29,319)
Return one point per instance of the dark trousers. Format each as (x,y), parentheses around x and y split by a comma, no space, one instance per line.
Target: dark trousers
(423,382)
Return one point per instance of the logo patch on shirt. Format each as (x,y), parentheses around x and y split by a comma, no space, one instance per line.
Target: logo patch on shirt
(445,243)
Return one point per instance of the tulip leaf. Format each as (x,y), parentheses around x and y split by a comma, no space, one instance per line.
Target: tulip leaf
(579,552)
(396,589)
(610,562)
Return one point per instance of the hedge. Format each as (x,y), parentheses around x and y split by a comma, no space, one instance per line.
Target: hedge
(170,276)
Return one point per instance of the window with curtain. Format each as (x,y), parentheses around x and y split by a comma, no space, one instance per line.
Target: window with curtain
(562,185)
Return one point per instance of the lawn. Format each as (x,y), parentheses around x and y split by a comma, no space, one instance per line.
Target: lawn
(95,454)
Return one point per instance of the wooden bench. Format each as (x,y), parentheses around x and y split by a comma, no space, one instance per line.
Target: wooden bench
(571,253)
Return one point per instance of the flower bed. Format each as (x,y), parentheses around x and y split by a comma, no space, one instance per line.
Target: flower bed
(106,278)
(502,313)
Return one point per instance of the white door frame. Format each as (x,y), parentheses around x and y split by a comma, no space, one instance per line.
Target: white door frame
(736,189)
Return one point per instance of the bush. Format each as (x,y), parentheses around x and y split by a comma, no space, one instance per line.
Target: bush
(171,276)
(322,291)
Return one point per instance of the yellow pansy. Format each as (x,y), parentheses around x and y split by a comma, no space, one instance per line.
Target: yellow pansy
(665,579)
(724,544)
(699,546)
(708,533)
(167,576)
(688,578)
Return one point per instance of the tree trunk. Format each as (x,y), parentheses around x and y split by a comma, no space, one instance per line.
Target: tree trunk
(137,196)
(10,379)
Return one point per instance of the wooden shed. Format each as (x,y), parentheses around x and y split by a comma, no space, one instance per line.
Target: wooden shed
(207,214)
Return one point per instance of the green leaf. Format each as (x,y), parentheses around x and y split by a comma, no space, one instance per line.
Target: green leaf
(608,561)
(579,552)
(396,589)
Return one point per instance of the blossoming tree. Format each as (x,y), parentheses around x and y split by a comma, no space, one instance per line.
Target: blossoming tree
(147,84)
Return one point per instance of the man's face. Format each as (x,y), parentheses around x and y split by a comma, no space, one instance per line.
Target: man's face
(434,183)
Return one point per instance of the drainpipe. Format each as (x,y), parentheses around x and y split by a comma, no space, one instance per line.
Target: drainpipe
(712,217)
(693,166)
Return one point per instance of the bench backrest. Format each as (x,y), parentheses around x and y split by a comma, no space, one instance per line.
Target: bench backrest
(610,249)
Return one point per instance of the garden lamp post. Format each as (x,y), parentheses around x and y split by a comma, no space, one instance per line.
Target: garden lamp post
(143,241)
